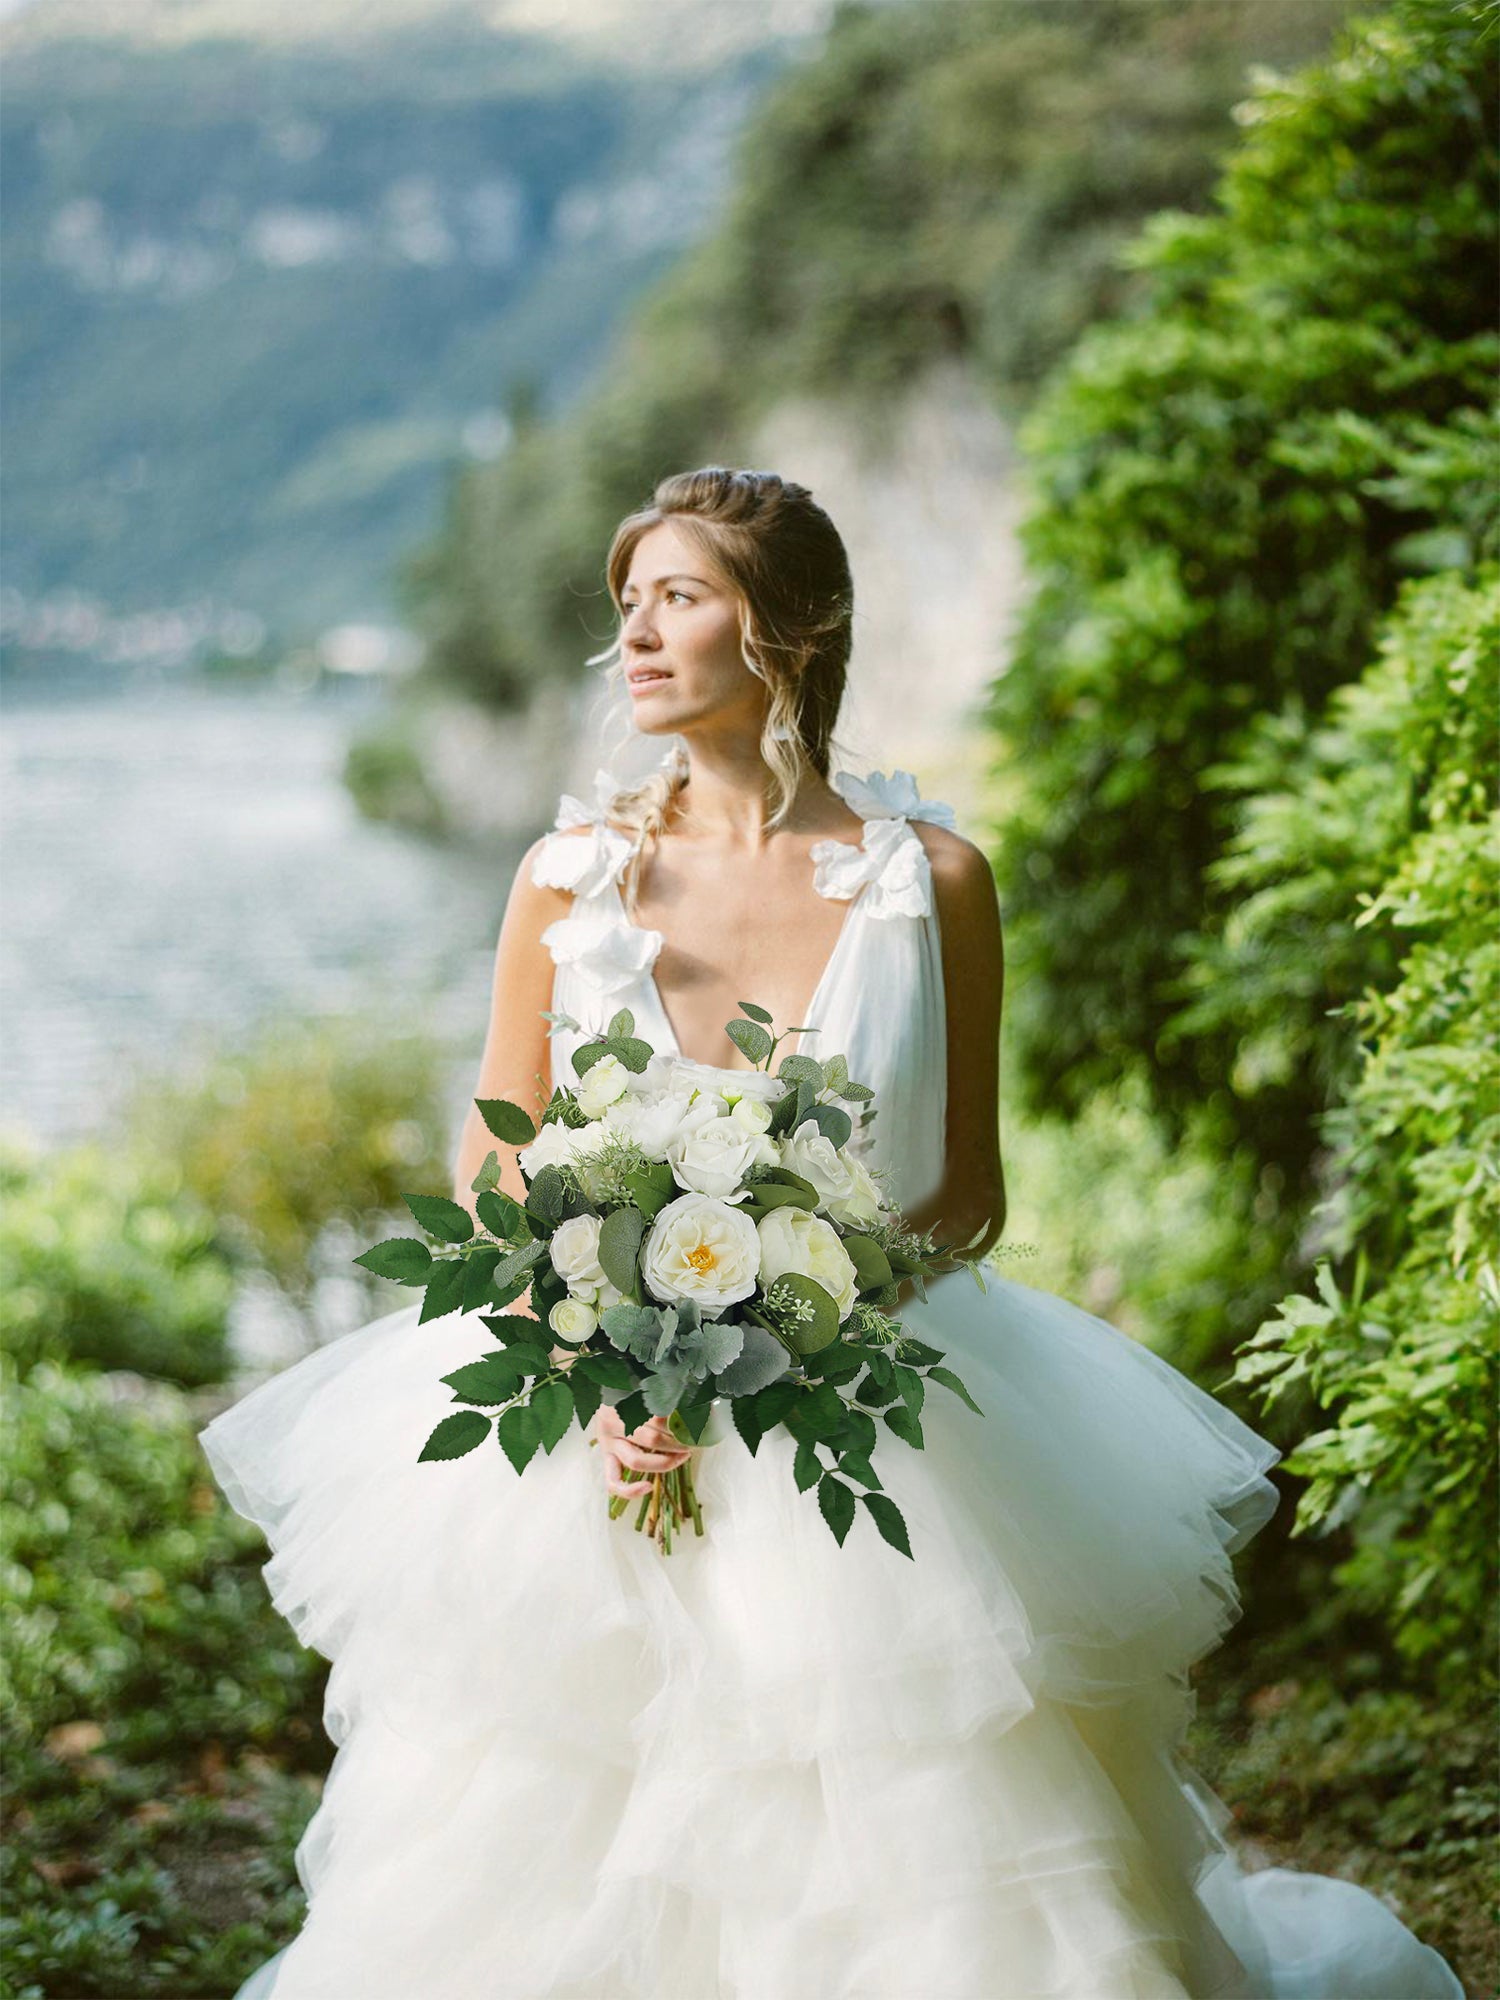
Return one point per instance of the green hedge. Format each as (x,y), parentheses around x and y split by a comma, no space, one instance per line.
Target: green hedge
(104,1263)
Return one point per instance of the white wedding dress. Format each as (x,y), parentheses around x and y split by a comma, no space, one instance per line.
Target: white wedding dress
(766,1767)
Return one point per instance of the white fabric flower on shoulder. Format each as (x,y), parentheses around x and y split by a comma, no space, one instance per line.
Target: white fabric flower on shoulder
(583,864)
(895,797)
(608,952)
(891,867)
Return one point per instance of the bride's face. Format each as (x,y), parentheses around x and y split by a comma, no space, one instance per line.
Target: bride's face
(680,641)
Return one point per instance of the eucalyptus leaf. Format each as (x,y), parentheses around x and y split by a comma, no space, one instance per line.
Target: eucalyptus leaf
(620,1236)
(751,1039)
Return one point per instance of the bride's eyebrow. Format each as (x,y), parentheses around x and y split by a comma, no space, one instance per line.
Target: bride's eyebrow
(678,576)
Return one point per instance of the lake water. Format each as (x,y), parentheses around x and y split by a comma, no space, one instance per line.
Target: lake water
(180,860)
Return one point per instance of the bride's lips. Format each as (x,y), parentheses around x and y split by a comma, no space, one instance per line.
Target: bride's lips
(644,679)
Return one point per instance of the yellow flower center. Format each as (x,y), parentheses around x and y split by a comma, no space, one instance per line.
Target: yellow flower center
(702,1258)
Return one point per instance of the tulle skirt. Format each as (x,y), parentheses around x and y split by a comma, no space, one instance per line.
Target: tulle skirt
(766,1767)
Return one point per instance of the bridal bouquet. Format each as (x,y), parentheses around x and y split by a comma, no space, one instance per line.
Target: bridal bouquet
(693,1239)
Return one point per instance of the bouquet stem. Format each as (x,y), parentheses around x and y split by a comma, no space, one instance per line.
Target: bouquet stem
(668,1500)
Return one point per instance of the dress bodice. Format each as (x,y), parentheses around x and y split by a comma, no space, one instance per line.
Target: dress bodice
(880,1000)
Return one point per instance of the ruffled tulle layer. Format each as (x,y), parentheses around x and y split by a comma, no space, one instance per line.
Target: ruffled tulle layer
(767,1767)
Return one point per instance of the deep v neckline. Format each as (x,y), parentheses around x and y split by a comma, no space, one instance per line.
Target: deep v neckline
(809,1012)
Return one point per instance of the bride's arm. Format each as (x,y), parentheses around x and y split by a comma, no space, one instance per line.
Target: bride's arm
(516,1063)
(972,1190)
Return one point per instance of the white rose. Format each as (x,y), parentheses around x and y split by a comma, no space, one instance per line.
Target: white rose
(700,1248)
(572,1319)
(552,1147)
(809,1153)
(575,1253)
(712,1157)
(731,1086)
(753,1113)
(792,1240)
(601,1084)
(652,1123)
(864,1206)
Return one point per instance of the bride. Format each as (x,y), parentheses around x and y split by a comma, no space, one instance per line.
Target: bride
(769,1767)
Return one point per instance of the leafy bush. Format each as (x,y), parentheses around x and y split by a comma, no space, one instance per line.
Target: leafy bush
(309,1131)
(147,1683)
(1406,1353)
(103,1263)
(1232,483)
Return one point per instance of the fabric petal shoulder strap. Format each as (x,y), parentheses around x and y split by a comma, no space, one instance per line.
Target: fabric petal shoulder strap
(583,863)
(890,864)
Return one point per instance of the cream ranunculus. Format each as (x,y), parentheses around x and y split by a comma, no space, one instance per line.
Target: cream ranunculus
(865,1205)
(713,1157)
(753,1113)
(601,1084)
(575,1253)
(572,1319)
(792,1240)
(808,1152)
(700,1248)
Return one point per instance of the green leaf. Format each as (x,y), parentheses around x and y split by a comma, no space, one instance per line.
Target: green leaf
(441,1217)
(909,1382)
(837,1503)
(773,1404)
(620,1024)
(610,1371)
(950,1381)
(747,1421)
(649,1195)
(587,1396)
(488,1176)
(519,1434)
(517,1262)
(544,1197)
(875,1395)
(833,1122)
(620,1236)
(501,1215)
(751,1039)
(456,1435)
(890,1521)
(798,1069)
(515,1329)
(906,1426)
(920,1354)
(760,1014)
(806,1469)
(804,1312)
(872,1267)
(856,1465)
(479,1268)
(553,1404)
(493,1378)
(510,1124)
(445,1290)
(400,1257)
(632,1411)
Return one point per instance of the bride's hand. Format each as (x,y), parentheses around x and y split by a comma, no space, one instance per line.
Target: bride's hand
(651,1448)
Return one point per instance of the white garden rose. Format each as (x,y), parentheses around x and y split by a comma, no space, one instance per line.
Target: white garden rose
(700,1248)
(652,1123)
(572,1319)
(865,1205)
(730,1086)
(813,1155)
(575,1253)
(792,1240)
(714,1156)
(558,1145)
(601,1084)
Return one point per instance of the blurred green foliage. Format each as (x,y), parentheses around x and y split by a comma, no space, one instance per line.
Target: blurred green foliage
(1231,484)
(104,1264)
(148,1686)
(305,1135)
(950,178)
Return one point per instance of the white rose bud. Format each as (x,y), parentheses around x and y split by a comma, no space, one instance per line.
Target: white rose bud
(700,1248)
(752,1113)
(601,1085)
(572,1319)
(806,1245)
(574,1251)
